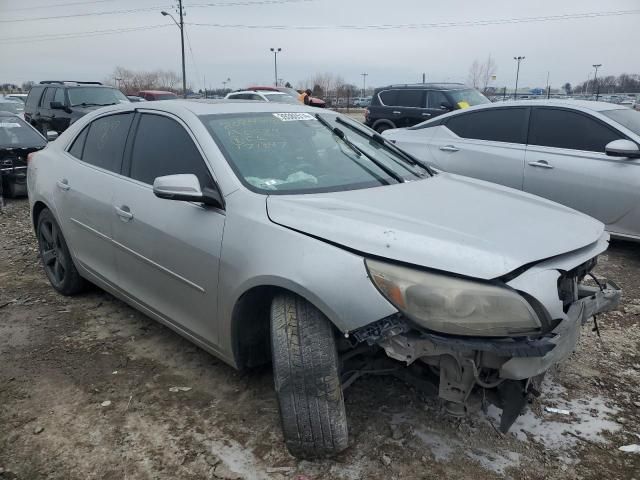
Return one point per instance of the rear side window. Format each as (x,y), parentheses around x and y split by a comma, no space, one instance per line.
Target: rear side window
(566,129)
(163,147)
(78,144)
(497,125)
(59,96)
(34,97)
(388,97)
(410,98)
(105,141)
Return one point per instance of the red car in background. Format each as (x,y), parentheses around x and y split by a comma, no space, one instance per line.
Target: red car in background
(151,95)
(313,101)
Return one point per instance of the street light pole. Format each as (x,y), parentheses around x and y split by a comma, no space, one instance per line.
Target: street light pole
(595,80)
(275,51)
(518,59)
(181,27)
(224,84)
(364,84)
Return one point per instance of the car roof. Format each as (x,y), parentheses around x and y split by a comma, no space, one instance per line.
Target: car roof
(438,86)
(213,107)
(156,91)
(262,92)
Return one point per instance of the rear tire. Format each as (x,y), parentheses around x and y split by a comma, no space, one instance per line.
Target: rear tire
(382,127)
(307,380)
(56,259)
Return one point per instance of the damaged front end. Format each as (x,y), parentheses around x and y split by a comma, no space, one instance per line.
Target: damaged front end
(500,336)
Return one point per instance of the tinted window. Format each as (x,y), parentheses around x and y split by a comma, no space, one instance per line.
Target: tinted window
(567,129)
(163,147)
(105,141)
(34,96)
(435,99)
(78,143)
(388,97)
(14,132)
(410,98)
(498,125)
(59,96)
(48,97)
(96,96)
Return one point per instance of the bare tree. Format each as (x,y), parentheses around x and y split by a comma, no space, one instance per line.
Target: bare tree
(131,81)
(475,74)
(487,71)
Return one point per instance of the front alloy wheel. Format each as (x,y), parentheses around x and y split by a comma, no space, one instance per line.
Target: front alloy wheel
(55,256)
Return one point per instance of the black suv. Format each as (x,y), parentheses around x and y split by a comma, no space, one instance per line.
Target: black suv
(398,106)
(54,105)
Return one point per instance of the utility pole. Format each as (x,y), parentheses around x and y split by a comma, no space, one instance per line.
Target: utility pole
(548,87)
(364,84)
(424,78)
(595,80)
(518,59)
(181,27)
(275,64)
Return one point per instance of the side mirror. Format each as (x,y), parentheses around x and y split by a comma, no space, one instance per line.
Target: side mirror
(56,106)
(185,187)
(51,135)
(623,149)
(446,106)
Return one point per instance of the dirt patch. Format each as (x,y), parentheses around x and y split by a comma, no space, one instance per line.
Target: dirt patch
(86,393)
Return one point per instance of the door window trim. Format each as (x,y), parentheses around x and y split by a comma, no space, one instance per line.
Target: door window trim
(382,104)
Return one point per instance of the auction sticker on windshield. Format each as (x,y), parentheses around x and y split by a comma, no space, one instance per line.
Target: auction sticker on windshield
(9,125)
(293,117)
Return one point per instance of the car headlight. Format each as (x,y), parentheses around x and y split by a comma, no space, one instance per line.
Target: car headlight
(454,305)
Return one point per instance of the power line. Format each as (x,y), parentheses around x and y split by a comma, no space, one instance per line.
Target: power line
(473,23)
(57,17)
(63,36)
(248,3)
(52,5)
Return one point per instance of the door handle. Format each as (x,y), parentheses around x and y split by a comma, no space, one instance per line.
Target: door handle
(449,148)
(426,114)
(124,213)
(541,164)
(396,112)
(63,184)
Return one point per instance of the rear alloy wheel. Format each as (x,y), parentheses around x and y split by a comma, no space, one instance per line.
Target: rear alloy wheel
(56,259)
(383,127)
(307,380)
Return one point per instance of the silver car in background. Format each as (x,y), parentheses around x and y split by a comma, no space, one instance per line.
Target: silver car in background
(270,232)
(582,154)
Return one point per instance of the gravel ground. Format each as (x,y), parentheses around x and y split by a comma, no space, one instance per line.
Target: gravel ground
(86,392)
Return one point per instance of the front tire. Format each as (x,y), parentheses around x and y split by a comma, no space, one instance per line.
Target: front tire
(307,380)
(56,259)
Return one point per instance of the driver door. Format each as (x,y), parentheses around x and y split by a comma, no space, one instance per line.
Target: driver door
(169,251)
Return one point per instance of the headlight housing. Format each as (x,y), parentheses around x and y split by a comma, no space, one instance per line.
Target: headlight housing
(452,305)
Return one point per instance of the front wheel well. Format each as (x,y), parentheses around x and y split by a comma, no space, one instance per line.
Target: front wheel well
(250,325)
(38,207)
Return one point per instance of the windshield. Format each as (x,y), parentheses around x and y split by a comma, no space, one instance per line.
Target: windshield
(280,98)
(288,153)
(95,96)
(625,117)
(13,107)
(19,99)
(14,132)
(467,98)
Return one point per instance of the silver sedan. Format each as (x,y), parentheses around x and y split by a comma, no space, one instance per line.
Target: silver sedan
(585,155)
(270,232)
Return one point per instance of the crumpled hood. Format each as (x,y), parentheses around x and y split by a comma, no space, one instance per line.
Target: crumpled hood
(446,222)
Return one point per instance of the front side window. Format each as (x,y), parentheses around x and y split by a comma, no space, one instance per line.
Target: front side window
(288,153)
(59,96)
(105,141)
(92,96)
(435,99)
(163,147)
(497,125)
(567,129)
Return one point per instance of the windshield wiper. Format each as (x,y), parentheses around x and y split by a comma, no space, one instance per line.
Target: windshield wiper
(85,104)
(341,135)
(376,137)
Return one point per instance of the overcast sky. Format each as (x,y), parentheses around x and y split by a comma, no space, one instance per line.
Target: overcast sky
(565,48)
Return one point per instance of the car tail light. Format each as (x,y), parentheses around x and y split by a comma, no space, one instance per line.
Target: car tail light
(366,114)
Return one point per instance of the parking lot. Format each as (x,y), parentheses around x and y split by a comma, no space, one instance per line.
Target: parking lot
(87,391)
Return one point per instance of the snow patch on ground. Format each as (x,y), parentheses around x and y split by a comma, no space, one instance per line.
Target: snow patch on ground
(589,419)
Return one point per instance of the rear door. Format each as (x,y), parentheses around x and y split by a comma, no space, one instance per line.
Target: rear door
(566,162)
(407,106)
(435,101)
(59,118)
(44,115)
(169,251)
(488,144)
(84,193)
(31,105)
